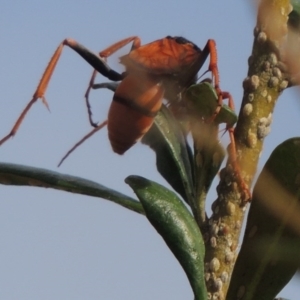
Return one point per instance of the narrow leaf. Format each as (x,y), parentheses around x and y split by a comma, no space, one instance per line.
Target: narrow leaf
(12,174)
(294,16)
(269,256)
(170,217)
(173,154)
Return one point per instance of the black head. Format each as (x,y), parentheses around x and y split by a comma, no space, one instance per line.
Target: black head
(182,40)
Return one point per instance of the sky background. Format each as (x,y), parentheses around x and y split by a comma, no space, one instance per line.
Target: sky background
(56,245)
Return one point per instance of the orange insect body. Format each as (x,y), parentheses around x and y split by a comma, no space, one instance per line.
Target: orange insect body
(167,56)
(174,61)
(131,114)
(169,64)
(161,69)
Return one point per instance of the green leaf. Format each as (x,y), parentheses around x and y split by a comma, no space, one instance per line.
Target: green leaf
(294,16)
(202,101)
(173,154)
(12,174)
(269,256)
(170,217)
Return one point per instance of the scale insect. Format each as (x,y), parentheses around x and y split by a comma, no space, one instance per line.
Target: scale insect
(162,69)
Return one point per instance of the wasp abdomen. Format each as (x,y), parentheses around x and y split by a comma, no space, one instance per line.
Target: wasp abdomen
(137,100)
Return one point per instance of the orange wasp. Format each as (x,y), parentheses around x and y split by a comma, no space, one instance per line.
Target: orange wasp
(158,70)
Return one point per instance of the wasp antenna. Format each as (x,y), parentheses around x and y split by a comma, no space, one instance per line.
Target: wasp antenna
(82,141)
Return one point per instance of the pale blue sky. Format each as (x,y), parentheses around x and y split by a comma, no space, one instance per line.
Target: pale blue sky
(56,245)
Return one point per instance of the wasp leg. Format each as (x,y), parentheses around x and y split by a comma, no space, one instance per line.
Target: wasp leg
(87,102)
(136,43)
(82,141)
(97,62)
(246,196)
(211,50)
(231,119)
(39,93)
(93,59)
(106,85)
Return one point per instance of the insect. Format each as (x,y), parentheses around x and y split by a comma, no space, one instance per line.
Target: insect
(161,69)
(196,113)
